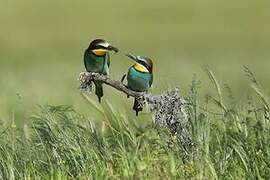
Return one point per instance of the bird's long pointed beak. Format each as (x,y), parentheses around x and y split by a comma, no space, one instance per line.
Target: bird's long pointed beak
(131,56)
(112,48)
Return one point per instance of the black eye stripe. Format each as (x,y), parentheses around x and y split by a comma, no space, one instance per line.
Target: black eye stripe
(144,64)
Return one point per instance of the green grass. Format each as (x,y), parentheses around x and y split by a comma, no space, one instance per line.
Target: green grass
(41,45)
(230,143)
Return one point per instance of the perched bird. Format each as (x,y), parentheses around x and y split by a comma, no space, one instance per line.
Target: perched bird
(139,77)
(97,59)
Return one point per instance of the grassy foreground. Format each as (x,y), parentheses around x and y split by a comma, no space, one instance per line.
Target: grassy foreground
(230,140)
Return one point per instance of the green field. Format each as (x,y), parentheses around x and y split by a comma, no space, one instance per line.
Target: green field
(46,122)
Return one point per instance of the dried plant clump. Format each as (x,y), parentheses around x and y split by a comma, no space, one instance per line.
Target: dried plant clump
(169,111)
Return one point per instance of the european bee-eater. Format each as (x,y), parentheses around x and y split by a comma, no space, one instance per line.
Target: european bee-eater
(139,77)
(97,59)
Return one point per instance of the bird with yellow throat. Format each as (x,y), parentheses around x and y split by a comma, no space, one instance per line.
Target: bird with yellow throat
(139,77)
(97,60)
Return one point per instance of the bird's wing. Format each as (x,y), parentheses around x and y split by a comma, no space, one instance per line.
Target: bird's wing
(108,59)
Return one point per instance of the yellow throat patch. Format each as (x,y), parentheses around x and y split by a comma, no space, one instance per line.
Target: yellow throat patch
(99,52)
(140,68)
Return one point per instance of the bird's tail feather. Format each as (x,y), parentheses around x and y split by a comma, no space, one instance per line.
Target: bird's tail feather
(137,107)
(99,90)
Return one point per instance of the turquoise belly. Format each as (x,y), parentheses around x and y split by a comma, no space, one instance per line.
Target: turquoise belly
(96,64)
(138,81)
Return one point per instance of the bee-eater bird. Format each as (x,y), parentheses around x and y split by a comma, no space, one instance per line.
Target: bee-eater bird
(139,77)
(97,59)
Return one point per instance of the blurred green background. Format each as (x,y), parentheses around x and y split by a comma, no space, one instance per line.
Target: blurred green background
(42,42)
